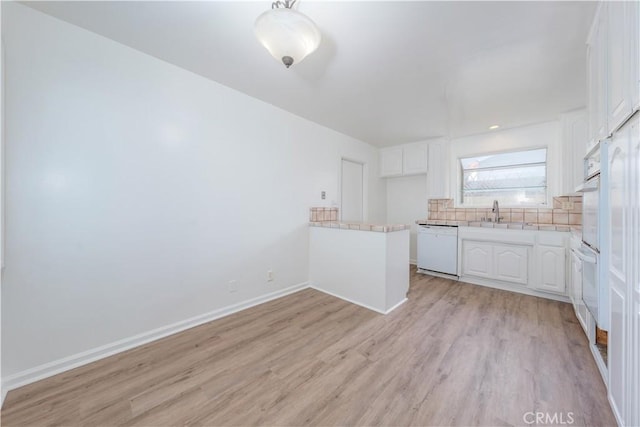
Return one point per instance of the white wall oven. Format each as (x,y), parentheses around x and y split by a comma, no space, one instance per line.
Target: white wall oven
(594,249)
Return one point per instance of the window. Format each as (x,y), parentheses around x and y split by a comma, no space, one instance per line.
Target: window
(513,178)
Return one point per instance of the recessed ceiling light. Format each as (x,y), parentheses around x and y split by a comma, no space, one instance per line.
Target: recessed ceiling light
(492,127)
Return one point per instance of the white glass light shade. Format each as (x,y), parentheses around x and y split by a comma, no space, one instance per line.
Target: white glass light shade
(287,33)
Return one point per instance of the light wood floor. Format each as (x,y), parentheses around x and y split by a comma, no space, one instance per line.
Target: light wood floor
(454,354)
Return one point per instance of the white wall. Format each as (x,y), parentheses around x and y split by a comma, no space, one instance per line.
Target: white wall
(3,392)
(540,135)
(406,203)
(136,190)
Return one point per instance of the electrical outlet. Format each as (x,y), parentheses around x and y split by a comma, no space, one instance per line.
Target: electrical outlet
(270,276)
(232,286)
(323,195)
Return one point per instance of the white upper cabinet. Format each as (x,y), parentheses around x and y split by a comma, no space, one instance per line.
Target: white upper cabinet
(415,159)
(574,138)
(635,33)
(613,71)
(438,173)
(391,162)
(597,77)
(622,58)
(401,160)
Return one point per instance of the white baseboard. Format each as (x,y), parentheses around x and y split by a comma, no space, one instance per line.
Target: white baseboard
(436,274)
(70,362)
(604,371)
(520,289)
(359,303)
(396,306)
(413,262)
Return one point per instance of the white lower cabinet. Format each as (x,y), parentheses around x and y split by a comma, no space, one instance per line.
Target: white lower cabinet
(576,292)
(476,259)
(616,359)
(533,262)
(551,261)
(507,263)
(510,263)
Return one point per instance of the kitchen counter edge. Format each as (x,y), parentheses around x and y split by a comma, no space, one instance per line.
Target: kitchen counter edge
(380,228)
(541,227)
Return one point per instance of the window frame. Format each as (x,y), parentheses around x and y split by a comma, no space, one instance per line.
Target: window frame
(459,177)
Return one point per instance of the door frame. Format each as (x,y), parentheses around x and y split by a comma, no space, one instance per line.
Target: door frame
(365,186)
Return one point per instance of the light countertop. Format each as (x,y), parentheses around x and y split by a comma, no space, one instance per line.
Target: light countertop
(380,228)
(510,226)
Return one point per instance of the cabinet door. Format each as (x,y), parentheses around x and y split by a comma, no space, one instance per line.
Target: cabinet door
(569,281)
(591,93)
(634,303)
(634,34)
(621,55)
(391,162)
(576,281)
(438,172)
(476,259)
(415,159)
(510,263)
(619,196)
(616,354)
(576,294)
(574,138)
(601,75)
(597,78)
(551,261)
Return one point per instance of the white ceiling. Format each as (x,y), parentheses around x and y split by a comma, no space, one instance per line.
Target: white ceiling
(385,72)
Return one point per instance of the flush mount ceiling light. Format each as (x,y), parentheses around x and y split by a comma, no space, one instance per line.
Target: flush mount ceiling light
(288,35)
(492,127)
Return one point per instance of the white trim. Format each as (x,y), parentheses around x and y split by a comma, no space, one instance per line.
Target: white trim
(396,306)
(519,138)
(359,303)
(413,262)
(438,274)
(520,289)
(70,362)
(365,186)
(604,373)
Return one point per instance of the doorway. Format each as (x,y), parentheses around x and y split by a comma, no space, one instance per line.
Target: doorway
(352,194)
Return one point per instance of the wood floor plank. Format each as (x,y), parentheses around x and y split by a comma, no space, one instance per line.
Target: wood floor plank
(454,354)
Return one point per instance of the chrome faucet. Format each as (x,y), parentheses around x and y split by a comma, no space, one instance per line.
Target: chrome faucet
(496,211)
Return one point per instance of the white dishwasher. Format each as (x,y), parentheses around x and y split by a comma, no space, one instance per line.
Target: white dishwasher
(438,248)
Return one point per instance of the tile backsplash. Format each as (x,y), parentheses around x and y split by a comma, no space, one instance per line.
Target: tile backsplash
(323,214)
(567,210)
